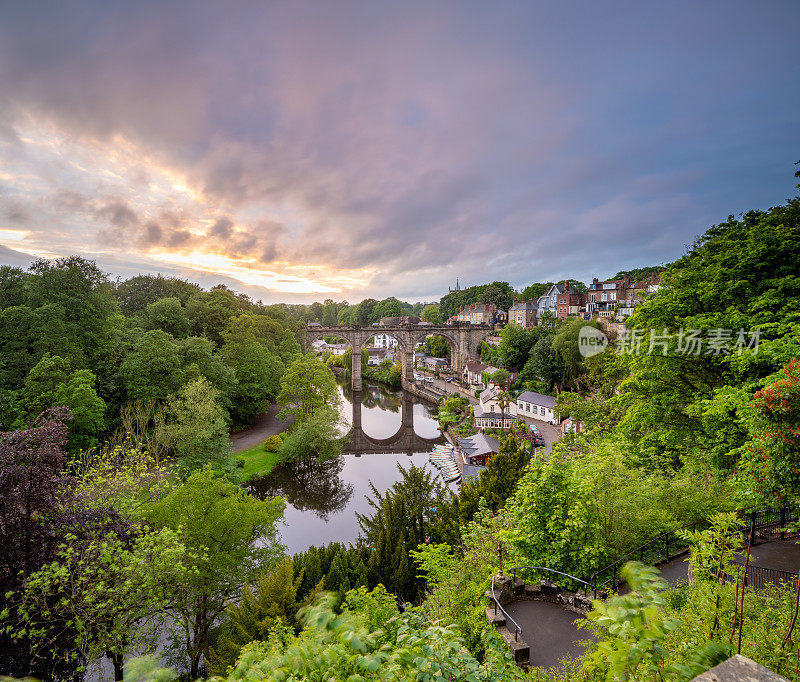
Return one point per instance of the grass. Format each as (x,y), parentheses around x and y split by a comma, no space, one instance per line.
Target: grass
(256,461)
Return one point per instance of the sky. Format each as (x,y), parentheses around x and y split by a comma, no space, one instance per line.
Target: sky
(300,151)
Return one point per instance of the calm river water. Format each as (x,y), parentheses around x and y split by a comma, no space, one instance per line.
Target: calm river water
(322,499)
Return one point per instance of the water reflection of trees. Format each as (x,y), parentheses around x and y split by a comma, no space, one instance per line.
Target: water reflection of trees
(307,485)
(374,395)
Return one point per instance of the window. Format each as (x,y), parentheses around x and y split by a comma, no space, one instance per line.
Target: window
(593,297)
(612,296)
(603,297)
(541,410)
(610,285)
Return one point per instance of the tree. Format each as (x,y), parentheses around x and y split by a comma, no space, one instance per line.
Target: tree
(533,291)
(230,535)
(110,593)
(772,459)
(430,313)
(399,524)
(51,383)
(168,315)
(152,369)
(565,343)
(307,385)
(270,601)
(544,365)
(437,346)
(315,436)
(258,375)
(196,428)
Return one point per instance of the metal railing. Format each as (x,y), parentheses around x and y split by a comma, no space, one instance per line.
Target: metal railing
(759,577)
(498,605)
(514,571)
(767,524)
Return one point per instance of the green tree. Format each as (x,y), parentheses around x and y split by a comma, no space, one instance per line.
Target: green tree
(152,369)
(307,386)
(111,592)
(196,428)
(533,291)
(316,436)
(51,383)
(231,536)
(430,313)
(258,375)
(437,346)
(565,343)
(271,600)
(168,315)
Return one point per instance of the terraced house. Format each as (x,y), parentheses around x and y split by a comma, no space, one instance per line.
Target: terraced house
(617,298)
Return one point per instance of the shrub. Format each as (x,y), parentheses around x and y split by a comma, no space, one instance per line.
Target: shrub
(273,443)
(240,462)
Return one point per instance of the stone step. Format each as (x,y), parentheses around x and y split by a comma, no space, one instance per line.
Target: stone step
(497,619)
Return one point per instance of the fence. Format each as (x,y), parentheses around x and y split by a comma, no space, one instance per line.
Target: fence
(759,577)
(768,525)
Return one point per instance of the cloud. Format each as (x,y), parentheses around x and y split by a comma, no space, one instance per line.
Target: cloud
(402,143)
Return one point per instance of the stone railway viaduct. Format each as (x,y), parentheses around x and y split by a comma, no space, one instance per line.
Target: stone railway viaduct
(465,340)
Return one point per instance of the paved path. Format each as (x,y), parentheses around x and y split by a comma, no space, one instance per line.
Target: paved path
(549,631)
(266,424)
(783,555)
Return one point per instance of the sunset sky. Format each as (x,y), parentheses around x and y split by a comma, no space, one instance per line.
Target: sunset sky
(308,150)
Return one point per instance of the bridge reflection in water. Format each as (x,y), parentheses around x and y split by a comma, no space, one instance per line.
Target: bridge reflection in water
(324,498)
(404,441)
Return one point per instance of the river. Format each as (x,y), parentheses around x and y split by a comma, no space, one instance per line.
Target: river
(323,498)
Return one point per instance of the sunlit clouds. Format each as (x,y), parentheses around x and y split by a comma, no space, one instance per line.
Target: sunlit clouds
(351,149)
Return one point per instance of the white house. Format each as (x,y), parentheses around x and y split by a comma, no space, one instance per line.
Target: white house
(549,301)
(384,341)
(489,414)
(537,406)
(375,356)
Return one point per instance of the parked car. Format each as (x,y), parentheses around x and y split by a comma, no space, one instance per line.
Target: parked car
(448,379)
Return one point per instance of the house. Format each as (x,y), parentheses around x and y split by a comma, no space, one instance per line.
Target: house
(523,314)
(473,370)
(314,324)
(433,363)
(375,356)
(500,317)
(569,302)
(537,406)
(570,425)
(318,345)
(548,301)
(477,313)
(618,298)
(384,341)
(491,414)
(472,453)
(337,348)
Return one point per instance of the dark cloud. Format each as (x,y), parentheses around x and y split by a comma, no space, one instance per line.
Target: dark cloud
(222,228)
(421,141)
(153,234)
(119,214)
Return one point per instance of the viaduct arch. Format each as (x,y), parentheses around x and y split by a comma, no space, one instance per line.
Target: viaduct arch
(465,339)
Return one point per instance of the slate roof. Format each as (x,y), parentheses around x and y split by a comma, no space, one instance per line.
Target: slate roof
(524,305)
(537,399)
(479,444)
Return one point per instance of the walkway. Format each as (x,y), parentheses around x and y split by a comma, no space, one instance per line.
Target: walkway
(266,424)
(781,555)
(550,631)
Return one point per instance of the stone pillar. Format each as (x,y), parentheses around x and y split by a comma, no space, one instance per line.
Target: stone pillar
(407,373)
(356,413)
(407,413)
(356,370)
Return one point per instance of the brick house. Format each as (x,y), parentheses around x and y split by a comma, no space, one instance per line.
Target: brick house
(569,302)
(617,298)
(523,314)
(477,313)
